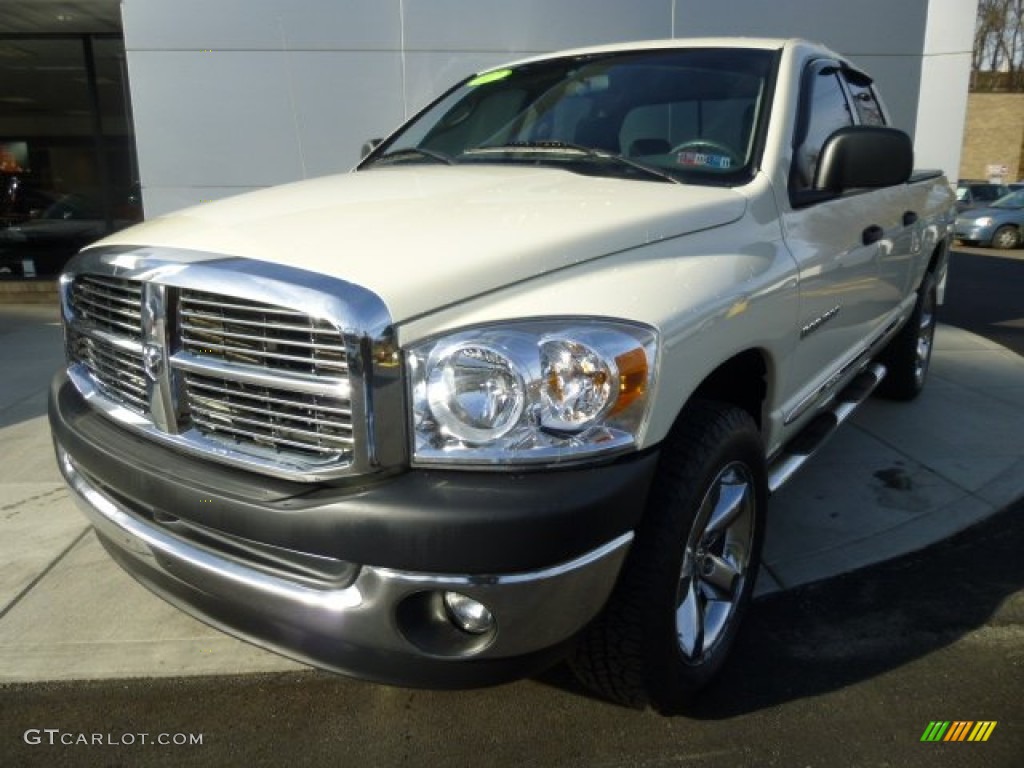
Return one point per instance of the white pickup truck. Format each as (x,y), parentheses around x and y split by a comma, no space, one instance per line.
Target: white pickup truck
(517,388)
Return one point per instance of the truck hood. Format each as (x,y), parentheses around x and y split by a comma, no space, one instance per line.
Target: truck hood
(426,237)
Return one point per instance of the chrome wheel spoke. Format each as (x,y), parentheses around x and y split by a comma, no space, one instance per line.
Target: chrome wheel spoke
(925,334)
(727,509)
(690,622)
(716,617)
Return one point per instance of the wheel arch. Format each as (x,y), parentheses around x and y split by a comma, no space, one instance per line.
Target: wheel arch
(743,381)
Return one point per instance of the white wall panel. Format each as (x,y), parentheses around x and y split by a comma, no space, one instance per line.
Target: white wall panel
(358,25)
(941,113)
(249,119)
(942,96)
(213,119)
(950,27)
(852,27)
(159,200)
(341,100)
(530,25)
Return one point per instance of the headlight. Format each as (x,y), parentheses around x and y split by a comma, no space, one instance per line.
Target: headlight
(984,221)
(476,392)
(537,391)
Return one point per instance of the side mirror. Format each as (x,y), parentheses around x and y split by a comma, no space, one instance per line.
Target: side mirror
(862,156)
(368,147)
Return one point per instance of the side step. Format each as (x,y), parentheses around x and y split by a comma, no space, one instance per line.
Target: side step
(823,426)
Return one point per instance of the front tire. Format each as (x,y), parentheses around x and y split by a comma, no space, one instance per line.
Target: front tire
(669,625)
(1006,237)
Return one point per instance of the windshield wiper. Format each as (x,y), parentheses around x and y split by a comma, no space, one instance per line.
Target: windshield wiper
(561,147)
(398,154)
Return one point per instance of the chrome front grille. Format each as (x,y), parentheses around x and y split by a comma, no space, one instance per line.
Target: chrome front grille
(231,376)
(109,304)
(254,333)
(117,370)
(107,337)
(272,417)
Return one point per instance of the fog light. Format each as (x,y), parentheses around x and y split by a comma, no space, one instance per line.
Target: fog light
(467,614)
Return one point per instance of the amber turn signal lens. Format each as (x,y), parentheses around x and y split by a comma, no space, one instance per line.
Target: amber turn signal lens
(633,375)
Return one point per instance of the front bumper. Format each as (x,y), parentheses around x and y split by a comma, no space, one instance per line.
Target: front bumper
(968,231)
(374,618)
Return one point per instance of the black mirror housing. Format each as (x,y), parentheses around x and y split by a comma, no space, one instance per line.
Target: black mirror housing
(864,156)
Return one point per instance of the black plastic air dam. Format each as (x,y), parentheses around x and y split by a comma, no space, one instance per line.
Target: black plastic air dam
(431,521)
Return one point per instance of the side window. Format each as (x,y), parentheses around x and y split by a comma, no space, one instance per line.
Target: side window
(864,101)
(824,110)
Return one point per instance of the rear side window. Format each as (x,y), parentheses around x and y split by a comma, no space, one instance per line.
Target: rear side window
(864,101)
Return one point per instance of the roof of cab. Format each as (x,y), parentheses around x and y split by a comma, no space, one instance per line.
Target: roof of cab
(763,43)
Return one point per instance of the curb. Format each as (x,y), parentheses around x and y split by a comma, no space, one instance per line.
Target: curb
(28,291)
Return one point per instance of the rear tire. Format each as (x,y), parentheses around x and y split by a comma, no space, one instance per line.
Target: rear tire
(909,354)
(687,582)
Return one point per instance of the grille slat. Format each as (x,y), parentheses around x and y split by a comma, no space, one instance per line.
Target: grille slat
(277,432)
(111,307)
(319,347)
(249,355)
(261,380)
(272,326)
(196,383)
(211,405)
(253,333)
(111,304)
(119,373)
(272,417)
(123,304)
(201,298)
(115,372)
(212,426)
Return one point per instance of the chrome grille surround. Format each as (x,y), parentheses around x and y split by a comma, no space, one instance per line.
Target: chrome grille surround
(260,366)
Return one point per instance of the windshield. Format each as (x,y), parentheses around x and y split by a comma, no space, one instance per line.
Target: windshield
(1012,200)
(687,114)
(980,192)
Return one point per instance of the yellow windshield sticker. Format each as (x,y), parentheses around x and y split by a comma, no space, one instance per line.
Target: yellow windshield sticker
(489,77)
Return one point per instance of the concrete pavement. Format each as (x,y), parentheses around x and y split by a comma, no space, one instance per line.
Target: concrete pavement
(896,478)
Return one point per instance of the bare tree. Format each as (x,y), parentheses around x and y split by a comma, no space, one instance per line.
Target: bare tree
(997,63)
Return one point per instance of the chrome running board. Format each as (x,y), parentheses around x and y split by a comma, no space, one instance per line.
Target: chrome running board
(817,432)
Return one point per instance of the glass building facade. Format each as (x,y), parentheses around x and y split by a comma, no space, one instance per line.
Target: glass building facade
(68,171)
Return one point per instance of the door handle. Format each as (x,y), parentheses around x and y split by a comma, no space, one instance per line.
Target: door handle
(909,219)
(872,234)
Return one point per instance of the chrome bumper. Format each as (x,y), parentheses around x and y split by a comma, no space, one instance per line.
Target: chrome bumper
(384,625)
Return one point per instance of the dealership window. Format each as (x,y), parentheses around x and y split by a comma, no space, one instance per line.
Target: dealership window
(67,159)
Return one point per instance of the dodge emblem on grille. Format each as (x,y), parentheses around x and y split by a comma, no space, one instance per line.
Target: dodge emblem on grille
(153,359)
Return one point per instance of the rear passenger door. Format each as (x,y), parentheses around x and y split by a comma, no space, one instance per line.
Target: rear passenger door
(849,249)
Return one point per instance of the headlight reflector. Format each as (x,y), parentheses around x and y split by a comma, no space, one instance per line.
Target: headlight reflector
(531,391)
(476,393)
(577,385)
